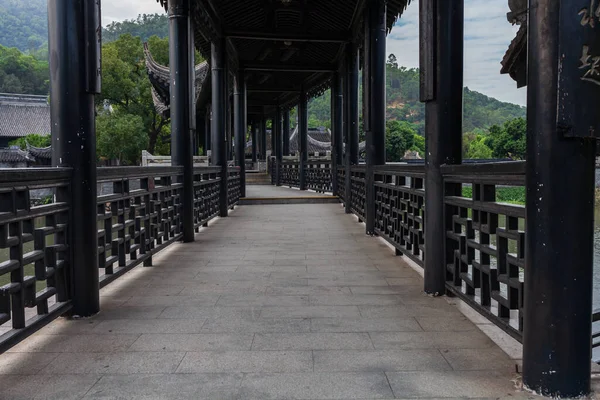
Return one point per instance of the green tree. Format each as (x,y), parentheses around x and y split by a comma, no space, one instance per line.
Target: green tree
(126,87)
(508,140)
(33,139)
(21,73)
(121,137)
(399,138)
(418,144)
(475,147)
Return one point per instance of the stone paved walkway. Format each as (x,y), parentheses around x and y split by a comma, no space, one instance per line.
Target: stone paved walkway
(267,191)
(274,302)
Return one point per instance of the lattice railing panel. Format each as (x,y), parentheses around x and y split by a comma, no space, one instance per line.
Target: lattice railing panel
(207,183)
(358,191)
(233,186)
(34,261)
(341,181)
(318,176)
(485,244)
(135,223)
(400,208)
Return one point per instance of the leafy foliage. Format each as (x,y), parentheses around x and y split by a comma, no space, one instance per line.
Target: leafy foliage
(508,194)
(33,139)
(509,140)
(21,73)
(24,24)
(126,87)
(120,136)
(399,138)
(144,26)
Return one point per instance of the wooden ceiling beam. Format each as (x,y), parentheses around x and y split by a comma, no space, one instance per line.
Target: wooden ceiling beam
(318,37)
(288,67)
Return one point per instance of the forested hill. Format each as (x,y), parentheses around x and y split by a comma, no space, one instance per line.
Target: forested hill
(24,24)
(144,26)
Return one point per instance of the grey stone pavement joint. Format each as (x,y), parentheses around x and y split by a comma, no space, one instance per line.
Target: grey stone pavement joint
(273,302)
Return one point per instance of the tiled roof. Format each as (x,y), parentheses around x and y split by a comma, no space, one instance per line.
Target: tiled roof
(12,155)
(160,77)
(319,141)
(40,152)
(21,115)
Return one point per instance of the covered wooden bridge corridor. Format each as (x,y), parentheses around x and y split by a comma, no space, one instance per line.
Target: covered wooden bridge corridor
(184,282)
(274,302)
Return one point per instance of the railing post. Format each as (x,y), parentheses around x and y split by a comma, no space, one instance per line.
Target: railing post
(74,47)
(219,105)
(351,105)
(181,54)
(263,139)
(560,204)
(337,127)
(208,130)
(375,99)
(240,126)
(303,136)
(278,145)
(442,89)
(254,128)
(286,132)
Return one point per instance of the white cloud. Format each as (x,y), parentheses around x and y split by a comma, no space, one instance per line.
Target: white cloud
(118,10)
(487,37)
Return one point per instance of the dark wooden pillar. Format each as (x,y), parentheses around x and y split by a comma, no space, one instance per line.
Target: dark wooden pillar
(303,137)
(278,144)
(180,51)
(207,130)
(375,58)
(351,104)
(254,133)
(74,61)
(560,199)
(337,127)
(219,120)
(442,30)
(263,139)
(286,132)
(240,126)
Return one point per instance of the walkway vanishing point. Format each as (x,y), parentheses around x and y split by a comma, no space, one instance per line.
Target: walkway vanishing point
(274,302)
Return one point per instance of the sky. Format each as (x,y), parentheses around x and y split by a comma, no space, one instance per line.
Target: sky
(487,37)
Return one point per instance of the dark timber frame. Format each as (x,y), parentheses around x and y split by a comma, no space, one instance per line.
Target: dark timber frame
(442,26)
(73,83)
(181,55)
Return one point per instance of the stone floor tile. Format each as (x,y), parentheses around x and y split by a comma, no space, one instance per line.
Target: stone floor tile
(247,361)
(113,363)
(261,300)
(85,343)
(183,312)
(479,359)
(454,324)
(381,360)
(45,387)
(306,290)
(354,300)
(150,326)
(364,325)
(256,325)
(311,341)
(167,387)
(431,340)
(348,385)
(427,384)
(24,363)
(192,342)
(311,312)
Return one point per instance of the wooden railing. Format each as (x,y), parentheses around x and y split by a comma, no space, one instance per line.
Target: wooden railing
(485,237)
(139,212)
